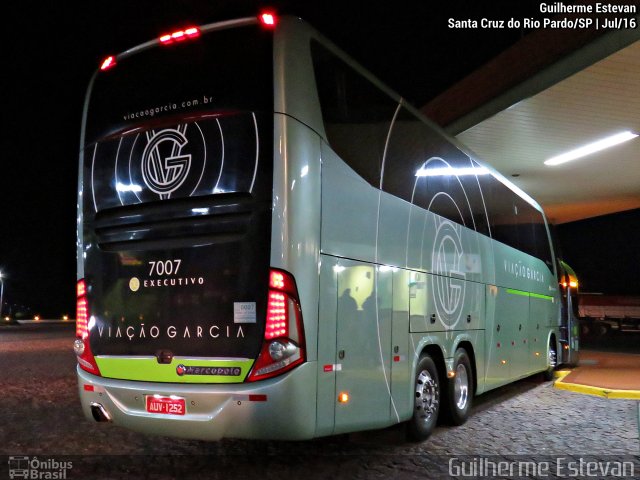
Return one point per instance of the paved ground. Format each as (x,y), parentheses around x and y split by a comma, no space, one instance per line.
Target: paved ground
(40,416)
(607,370)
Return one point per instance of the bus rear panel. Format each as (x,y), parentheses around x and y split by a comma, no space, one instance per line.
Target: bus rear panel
(177,300)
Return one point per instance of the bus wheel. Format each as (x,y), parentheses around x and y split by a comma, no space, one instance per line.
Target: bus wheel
(602,329)
(552,361)
(427,400)
(459,390)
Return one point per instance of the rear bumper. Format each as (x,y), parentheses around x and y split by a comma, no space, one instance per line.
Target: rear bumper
(213,411)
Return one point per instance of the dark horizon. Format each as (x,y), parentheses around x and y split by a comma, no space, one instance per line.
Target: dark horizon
(604,252)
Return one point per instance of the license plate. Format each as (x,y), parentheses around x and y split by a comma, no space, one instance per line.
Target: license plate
(165,405)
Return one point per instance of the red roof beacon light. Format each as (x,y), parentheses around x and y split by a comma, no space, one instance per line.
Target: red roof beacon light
(180,35)
(268,19)
(108,62)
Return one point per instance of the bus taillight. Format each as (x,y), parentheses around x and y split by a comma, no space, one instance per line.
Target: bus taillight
(108,62)
(179,35)
(81,345)
(283,344)
(268,19)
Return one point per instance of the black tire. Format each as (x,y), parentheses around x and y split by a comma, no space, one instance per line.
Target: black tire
(459,393)
(427,400)
(552,361)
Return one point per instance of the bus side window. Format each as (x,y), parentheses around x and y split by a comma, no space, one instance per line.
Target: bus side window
(514,221)
(356,113)
(422,168)
(501,209)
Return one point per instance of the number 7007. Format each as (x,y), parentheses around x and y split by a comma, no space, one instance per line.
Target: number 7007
(164,267)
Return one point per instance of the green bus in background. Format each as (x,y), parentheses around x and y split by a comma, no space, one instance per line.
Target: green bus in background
(273,244)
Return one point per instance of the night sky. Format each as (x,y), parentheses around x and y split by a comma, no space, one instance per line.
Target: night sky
(52,48)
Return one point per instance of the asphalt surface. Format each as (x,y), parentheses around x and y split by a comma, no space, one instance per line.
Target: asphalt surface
(40,417)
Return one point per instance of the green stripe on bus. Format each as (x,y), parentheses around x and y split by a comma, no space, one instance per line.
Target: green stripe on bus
(149,370)
(544,297)
(513,291)
(517,292)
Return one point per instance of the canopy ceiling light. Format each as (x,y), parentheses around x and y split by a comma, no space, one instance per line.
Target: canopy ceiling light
(593,147)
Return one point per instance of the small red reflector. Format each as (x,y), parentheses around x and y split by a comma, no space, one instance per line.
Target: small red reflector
(89,388)
(268,19)
(179,35)
(396,358)
(257,398)
(328,368)
(108,62)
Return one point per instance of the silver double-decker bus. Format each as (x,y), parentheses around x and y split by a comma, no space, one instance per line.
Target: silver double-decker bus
(274,244)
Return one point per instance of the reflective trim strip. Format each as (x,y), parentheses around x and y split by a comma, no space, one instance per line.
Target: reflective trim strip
(147,369)
(517,292)
(335,367)
(543,297)
(513,291)
(250,398)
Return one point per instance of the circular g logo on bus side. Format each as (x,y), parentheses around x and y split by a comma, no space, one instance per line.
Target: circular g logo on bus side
(163,167)
(449,279)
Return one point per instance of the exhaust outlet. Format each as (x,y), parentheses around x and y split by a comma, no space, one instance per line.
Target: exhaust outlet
(99,413)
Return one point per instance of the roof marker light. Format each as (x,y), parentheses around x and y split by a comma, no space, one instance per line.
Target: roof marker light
(179,35)
(108,62)
(593,147)
(268,19)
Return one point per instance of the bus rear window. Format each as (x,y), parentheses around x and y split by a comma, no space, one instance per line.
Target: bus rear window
(224,71)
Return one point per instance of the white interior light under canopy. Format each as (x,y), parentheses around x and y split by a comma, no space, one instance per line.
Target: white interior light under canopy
(593,147)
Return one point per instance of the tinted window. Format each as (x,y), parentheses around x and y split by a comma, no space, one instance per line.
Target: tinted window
(210,155)
(225,71)
(499,200)
(514,221)
(356,113)
(423,168)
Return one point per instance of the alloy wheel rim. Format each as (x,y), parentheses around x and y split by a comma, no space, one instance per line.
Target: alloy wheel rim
(552,357)
(461,387)
(427,396)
